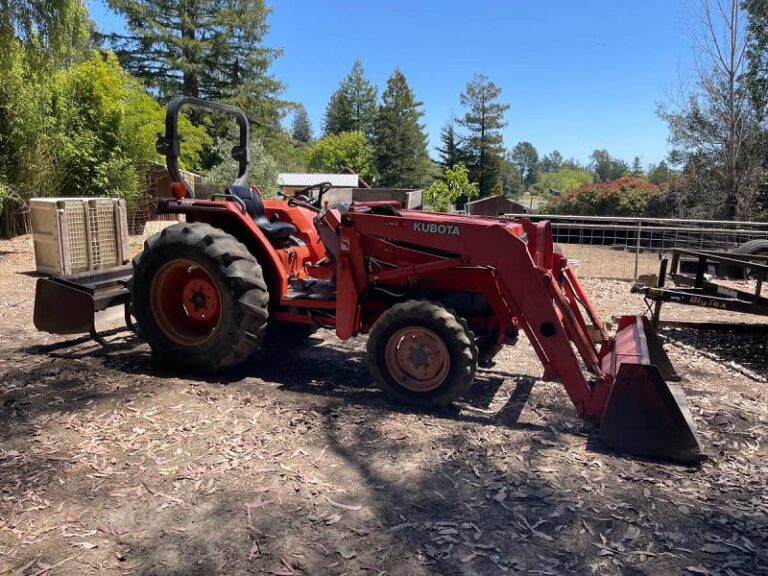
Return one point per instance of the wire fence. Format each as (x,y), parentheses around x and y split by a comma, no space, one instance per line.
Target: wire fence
(626,248)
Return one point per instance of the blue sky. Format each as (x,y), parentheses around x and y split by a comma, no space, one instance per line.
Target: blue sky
(578,75)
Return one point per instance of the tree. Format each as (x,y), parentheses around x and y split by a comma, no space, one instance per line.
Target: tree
(301,128)
(444,194)
(38,38)
(336,152)
(263,167)
(452,150)
(659,173)
(715,127)
(289,154)
(551,162)
(89,130)
(756,78)
(50,31)
(338,115)
(511,184)
(352,108)
(606,168)
(637,167)
(484,119)
(399,140)
(562,180)
(107,126)
(526,159)
(572,164)
(202,48)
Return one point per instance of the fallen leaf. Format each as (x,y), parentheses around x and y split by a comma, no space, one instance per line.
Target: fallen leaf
(632,533)
(332,519)
(697,569)
(346,553)
(715,549)
(349,507)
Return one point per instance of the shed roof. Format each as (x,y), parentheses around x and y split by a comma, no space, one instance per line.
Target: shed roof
(337,180)
(495,198)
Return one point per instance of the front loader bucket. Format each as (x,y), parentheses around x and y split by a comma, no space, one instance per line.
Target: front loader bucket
(645,414)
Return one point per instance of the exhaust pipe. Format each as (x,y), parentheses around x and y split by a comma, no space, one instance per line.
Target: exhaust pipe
(646,413)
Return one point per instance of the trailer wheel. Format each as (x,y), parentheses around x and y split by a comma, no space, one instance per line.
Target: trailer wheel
(199,297)
(421,353)
(752,247)
(757,247)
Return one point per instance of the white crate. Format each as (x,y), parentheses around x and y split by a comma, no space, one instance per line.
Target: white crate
(79,234)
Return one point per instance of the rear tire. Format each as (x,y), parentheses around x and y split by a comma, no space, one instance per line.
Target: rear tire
(421,353)
(199,297)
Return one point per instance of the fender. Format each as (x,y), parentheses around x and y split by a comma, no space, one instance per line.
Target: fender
(229,216)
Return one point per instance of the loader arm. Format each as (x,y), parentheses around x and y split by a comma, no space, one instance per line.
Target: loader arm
(529,289)
(627,394)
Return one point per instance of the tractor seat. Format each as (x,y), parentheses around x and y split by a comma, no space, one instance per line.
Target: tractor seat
(255,209)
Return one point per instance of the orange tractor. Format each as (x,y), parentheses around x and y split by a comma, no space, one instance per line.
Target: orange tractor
(437,294)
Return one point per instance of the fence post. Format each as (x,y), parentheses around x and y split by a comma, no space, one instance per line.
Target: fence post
(637,246)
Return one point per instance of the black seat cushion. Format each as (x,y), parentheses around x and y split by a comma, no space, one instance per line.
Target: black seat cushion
(255,209)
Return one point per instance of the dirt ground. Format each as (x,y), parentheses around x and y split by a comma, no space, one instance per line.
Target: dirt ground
(111,463)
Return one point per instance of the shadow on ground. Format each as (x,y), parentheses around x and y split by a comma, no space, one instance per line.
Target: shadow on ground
(749,350)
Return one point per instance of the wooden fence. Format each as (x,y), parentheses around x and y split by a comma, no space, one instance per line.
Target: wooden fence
(14,218)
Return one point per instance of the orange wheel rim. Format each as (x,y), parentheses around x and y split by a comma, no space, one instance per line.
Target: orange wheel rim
(185,302)
(417,359)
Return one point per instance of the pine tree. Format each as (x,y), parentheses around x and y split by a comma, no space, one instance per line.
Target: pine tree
(551,162)
(352,108)
(301,129)
(484,120)
(452,151)
(399,139)
(202,48)
(338,115)
(525,159)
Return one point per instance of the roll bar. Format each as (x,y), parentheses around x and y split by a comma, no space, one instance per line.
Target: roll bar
(169,145)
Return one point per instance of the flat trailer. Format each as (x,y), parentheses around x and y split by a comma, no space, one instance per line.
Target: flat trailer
(698,288)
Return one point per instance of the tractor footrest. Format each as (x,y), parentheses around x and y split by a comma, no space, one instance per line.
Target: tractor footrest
(311,290)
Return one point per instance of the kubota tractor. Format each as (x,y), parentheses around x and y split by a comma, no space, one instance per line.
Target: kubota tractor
(436,293)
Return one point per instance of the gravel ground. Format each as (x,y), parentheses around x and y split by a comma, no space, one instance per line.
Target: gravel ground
(111,463)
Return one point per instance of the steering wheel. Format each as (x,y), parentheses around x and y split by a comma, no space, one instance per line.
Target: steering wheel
(293,201)
(321,187)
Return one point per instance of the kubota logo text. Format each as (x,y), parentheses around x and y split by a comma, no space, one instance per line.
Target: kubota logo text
(432,228)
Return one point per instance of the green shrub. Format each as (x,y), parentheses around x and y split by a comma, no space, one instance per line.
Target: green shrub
(443,194)
(86,130)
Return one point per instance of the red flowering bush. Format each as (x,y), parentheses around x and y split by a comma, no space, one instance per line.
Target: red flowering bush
(626,196)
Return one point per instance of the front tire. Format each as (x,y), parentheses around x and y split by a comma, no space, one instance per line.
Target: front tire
(421,353)
(199,297)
